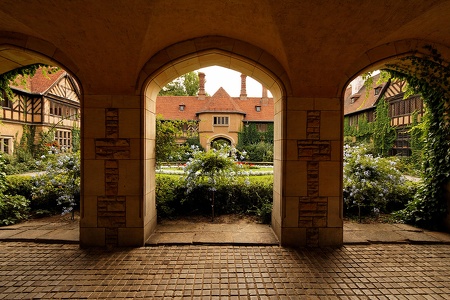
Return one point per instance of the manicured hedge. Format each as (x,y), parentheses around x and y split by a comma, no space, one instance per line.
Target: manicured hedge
(254,198)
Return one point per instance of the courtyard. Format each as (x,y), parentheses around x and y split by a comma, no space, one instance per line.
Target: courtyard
(376,271)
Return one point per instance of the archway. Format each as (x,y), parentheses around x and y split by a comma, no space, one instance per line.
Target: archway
(217,141)
(163,68)
(422,65)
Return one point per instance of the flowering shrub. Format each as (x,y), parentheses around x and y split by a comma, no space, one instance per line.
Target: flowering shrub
(61,182)
(373,184)
(211,169)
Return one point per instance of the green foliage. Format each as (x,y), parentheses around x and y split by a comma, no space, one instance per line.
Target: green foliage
(211,167)
(23,152)
(373,184)
(260,152)
(13,208)
(241,197)
(19,185)
(248,135)
(364,129)
(2,171)
(267,136)
(60,184)
(169,193)
(429,76)
(166,132)
(257,145)
(76,139)
(186,85)
(417,142)
(349,131)
(7,78)
(384,134)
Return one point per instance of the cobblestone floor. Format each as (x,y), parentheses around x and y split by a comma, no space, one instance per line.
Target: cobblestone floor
(397,271)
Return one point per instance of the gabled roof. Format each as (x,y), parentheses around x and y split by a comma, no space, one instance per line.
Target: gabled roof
(221,102)
(360,101)
(39,84)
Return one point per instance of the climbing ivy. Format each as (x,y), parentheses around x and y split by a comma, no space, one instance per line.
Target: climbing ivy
(6,79)
(417,132)
(429,76)
(384,134)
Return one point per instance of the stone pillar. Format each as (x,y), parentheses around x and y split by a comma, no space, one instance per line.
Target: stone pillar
(112,198)
(311,208)
(243,95)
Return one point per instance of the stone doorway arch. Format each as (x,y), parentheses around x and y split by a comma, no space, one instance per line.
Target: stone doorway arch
(195,54)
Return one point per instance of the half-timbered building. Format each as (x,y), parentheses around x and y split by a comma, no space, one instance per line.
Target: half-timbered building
(46,102)
(360,103)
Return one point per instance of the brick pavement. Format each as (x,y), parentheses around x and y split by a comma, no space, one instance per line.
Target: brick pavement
(64,271)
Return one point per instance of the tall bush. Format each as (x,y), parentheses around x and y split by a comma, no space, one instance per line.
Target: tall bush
(373,184)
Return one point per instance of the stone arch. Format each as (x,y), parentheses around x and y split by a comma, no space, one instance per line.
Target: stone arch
(220,136)
(17,50)
(190,55)
(378,57)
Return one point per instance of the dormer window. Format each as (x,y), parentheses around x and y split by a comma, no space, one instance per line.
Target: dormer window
(258,108)
(181,107)
(354,97)
(377,90)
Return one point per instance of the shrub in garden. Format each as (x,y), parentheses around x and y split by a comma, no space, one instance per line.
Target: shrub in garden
(19,185)
(240,197)
(13,208)
(211,169)
(373,184)
(60,185)
(169,193)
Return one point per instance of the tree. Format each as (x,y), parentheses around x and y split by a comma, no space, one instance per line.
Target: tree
(166,132)
(186,85)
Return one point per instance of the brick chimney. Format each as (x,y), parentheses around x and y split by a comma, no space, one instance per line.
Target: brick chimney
(243,95)
(201,89)
(264,98)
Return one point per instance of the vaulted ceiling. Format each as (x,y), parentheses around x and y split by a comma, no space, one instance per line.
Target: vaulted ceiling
(319,44)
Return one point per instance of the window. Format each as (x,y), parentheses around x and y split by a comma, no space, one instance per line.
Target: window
(6,103)
(220,121)
(377,90)
(262,127)
(6,145)
(64,139)
(181,107)
(258,108)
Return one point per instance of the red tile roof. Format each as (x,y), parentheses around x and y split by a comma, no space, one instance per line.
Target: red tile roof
(359,101)
(169,107)
(39,83)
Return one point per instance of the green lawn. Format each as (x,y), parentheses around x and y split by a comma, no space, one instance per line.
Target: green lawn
(261,178)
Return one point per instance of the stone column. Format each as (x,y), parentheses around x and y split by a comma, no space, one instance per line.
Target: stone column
(112,198)
(311,208)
